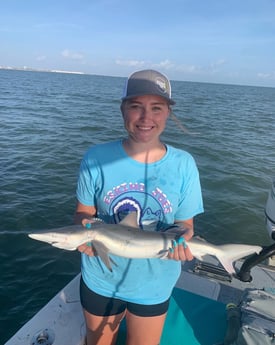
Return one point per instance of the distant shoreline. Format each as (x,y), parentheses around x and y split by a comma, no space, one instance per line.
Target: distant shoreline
(28,69)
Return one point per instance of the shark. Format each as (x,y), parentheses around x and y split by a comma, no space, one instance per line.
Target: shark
(126,239)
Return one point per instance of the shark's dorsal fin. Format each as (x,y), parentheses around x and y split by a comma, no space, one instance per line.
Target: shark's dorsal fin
(130,220)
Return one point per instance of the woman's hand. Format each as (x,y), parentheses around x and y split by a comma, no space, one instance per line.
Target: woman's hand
(179,250)
(84,215)
(87,248)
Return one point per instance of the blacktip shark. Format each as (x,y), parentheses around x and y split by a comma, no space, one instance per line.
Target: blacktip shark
(127,240)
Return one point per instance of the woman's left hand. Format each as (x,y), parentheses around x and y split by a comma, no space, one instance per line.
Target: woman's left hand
(180,250)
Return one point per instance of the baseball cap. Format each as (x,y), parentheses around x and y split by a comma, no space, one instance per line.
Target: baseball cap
(147,82)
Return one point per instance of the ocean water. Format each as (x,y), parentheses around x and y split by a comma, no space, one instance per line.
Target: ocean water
(48,121)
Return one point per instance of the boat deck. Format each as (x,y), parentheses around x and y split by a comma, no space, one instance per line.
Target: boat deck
(198,301)
(220,286)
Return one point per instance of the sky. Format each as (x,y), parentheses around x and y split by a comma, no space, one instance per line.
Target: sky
(217,41)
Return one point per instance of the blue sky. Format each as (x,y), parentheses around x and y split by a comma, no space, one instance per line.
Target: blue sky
(221,41)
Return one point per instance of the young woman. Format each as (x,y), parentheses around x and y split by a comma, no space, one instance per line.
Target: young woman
(161,184)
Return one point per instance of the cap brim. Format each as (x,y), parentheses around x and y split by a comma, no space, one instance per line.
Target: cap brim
(169,100)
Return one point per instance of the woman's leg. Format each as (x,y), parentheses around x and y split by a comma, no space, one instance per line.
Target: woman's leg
(144,330)
(102,315)
(102,330)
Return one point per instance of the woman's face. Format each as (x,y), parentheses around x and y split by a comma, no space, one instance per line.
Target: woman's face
(145,117)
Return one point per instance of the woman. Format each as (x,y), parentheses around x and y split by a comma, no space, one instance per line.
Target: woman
(161,184)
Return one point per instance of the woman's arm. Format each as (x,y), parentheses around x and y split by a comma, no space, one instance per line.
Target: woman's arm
(83,212)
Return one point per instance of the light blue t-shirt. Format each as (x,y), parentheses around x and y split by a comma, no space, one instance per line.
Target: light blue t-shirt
(164,191)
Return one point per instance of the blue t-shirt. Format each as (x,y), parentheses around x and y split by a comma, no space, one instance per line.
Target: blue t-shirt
(163,192)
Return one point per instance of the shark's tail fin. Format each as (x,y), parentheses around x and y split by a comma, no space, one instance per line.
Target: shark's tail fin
(228,253)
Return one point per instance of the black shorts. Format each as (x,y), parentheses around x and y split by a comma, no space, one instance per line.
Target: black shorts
(105,306)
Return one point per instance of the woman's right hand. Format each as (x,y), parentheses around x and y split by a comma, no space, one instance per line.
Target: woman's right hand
(86,248)
(84,215)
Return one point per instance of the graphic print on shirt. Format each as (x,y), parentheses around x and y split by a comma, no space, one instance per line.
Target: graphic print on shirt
(149,205)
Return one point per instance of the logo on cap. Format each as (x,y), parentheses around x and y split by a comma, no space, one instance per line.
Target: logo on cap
(161,85)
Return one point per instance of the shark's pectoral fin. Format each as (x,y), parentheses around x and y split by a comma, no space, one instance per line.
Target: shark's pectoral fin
(103,252)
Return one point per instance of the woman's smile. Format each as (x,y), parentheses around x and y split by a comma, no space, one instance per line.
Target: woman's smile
(145,117)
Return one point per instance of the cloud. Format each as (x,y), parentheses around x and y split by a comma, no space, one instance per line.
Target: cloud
(67,54)
(166,64)
(41,58)
(188,68)
(183,68)
(171,66)
(130,63)
(215,66)
(217,63)
(211,68)
(266,75)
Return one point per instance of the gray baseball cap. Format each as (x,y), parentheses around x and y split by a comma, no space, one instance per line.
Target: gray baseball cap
(147,82)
